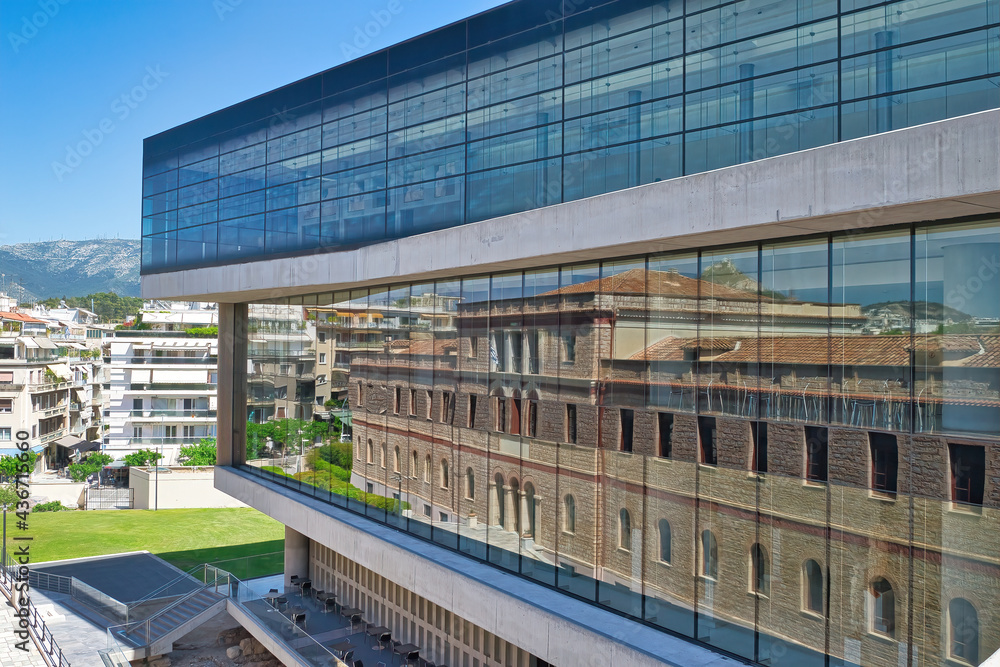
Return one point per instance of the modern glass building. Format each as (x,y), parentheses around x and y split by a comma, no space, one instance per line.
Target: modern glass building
(662,332)
(538,103)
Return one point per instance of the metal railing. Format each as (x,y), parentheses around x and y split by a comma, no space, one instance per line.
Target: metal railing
(200,361)
(161,592)
(278,626)
(56,583)
(197,413)
(44,640)
(142,630)
(80,591)
(173,386)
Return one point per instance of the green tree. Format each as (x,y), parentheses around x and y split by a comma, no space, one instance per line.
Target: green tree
(8,497)
(202,453)
(11,465)
(143,457)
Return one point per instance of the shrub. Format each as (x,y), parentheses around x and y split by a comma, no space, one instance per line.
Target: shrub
(338,453)
(201,453)
(203,332)
(53,506)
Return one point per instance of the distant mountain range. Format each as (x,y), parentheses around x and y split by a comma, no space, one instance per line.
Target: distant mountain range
(70,268)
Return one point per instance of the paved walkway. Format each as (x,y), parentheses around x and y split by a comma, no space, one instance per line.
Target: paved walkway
(10,655)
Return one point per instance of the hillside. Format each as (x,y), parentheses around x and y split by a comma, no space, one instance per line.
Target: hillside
(71,268)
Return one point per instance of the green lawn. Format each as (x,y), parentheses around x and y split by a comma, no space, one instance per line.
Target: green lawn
(184,537)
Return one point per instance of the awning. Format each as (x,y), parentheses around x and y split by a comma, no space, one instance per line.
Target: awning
(46,344)
(61,370)
(375,316)
(205,342)
(72,442)
(29,343)
(77,346)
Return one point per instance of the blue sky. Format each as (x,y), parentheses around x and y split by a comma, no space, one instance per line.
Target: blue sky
(105,74)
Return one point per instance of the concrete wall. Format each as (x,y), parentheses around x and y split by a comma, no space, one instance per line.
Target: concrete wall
(180,487)
(68,493)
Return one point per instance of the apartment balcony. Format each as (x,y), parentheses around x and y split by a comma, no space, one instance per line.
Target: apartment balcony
(46,438)
(37,359)
(159,387)
(49,386)
(11,388)
(168,440)
(361,345)
(172,415)
(171,361)
(51,412)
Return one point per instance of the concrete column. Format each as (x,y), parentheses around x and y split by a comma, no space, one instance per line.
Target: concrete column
(296,555)
(232,387)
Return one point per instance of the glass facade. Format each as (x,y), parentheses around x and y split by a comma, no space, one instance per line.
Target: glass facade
(785,451)
(539,102)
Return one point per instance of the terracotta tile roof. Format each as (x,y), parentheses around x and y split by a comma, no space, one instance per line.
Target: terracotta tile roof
(658,283)
(989,358)
(438,347)
(714,344)
(20,317)
(668,349)
(812,350)
(947,343)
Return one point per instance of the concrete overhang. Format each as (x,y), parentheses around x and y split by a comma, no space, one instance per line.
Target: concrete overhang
(938,171)
(551,625)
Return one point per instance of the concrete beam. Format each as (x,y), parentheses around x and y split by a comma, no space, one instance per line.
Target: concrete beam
(545,622)
(937,171)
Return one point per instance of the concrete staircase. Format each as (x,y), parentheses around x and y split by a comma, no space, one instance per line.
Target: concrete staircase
(155,635)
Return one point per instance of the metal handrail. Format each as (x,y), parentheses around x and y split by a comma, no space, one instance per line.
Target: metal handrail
(44,640)
(188,575)
(146,623)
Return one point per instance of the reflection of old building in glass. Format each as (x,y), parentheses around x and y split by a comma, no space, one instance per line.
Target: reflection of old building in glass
(752,403)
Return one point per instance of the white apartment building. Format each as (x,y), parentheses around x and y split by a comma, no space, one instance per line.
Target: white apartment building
(162,381)
(48,390)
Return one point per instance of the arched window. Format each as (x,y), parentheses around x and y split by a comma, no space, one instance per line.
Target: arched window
(427,469)
(963,622)
(883,607)
(569,514)
(414,465)
(382,462)
(371,452)
(395,459)
(444,473)
(470,484)
(812,586)
(624,529)
(760,571)
(665,539)
(709,555)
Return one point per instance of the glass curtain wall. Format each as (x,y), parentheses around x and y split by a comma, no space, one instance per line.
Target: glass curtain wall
(782,450)
(508,112)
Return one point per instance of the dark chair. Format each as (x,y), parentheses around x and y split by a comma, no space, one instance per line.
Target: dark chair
(305,588)
(348,656)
